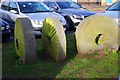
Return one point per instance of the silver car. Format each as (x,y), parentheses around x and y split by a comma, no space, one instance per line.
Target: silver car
(33,9)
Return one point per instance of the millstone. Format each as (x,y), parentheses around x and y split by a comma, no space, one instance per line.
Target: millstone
(25,43)
(96,33)
(54,40)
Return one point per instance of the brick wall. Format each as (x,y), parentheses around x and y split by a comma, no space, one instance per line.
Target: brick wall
(102,2)
(87,1)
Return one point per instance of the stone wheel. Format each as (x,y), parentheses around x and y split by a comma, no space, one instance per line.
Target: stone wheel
(97,33)
(54,40)
(25,43)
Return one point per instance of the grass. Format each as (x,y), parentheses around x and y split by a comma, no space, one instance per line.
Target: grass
(72,67)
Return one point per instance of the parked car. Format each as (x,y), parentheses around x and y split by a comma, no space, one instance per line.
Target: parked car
(72,12)
(35,10)
(5,30)
(113,11)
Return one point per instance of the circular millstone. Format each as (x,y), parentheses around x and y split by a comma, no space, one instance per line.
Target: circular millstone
(54,40)
(96,33)
(25,43)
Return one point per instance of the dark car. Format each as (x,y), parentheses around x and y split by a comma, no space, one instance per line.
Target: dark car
(72,12)
(113,11)
(5,31)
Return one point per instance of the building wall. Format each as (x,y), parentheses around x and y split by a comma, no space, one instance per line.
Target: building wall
(103,2)
(87,1)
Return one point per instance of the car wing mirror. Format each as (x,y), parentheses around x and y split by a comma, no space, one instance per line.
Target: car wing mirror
(55,7)
(14,11)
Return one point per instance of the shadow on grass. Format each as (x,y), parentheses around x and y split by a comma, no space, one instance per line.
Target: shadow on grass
(43,68)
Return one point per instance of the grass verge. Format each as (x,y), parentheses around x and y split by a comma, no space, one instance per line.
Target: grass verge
(72,67)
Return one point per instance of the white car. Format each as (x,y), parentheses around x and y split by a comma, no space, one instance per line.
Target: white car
(35,10)
(114,12)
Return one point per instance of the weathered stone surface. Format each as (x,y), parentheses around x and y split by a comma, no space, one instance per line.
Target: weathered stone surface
(97,33)
(54,40)
(25,43)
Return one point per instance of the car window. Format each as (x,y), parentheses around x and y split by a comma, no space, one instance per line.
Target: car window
(4,5)
(114,7)
(13,6)
(52,4)
(47,3)
(70,4)
(32,7)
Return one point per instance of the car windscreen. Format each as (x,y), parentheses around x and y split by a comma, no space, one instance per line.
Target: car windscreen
(70,4)
(32,7)
(114,7)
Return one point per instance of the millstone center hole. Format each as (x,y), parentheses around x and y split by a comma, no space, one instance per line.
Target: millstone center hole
(17,45)
(98,38)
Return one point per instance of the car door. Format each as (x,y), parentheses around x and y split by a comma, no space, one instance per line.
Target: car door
(14,12)
(4,10)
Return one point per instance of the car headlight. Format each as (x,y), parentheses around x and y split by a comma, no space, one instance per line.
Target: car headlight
(78,17)
(2,28)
